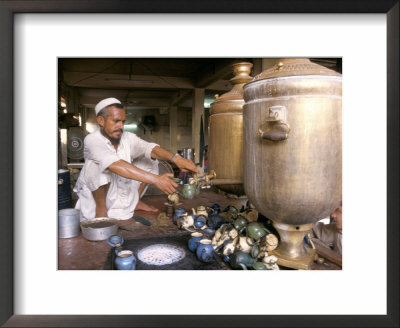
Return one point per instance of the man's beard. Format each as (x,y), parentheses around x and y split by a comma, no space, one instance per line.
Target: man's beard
(115,140)
(112,139)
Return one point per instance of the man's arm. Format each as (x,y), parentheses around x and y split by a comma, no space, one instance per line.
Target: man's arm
(324,232)
(184,164)
(129,171)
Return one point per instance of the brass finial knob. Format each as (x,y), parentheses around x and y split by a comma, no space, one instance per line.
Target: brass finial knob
(241,71)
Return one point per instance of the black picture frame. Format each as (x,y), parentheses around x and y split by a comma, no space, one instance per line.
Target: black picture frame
(7,11)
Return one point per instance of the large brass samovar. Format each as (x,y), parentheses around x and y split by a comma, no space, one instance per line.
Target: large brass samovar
(292,122)
(226,133)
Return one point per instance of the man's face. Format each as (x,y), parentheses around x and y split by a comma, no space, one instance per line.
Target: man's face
(113,126)
(337,217)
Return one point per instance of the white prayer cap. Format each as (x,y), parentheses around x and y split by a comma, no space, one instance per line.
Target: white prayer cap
(104,103)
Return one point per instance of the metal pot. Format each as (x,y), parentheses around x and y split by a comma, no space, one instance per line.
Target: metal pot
(99,228)
(226,133)
(292,123)
(64,189)
(293,137)
(188,153)
(68,223)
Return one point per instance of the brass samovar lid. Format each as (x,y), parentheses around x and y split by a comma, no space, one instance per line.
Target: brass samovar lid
(294,67)
(241,71)
(232,101)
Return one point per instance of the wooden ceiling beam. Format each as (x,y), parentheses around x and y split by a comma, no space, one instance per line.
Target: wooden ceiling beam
(108,81)
(179,96)
(89,101)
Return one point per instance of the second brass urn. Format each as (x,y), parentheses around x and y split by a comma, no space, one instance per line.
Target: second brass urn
(292,127)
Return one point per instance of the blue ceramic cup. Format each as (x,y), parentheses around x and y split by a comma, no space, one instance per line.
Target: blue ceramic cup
(205,251)
(195,240)
(125,260)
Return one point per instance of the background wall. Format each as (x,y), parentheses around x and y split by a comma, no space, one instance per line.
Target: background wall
(161,132)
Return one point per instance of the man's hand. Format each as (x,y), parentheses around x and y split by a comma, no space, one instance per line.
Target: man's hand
(185,165)
(165,183)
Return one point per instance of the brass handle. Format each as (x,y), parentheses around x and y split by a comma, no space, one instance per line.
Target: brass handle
(274,130)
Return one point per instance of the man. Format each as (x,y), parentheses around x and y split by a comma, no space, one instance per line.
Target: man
(119,166)
(331,234)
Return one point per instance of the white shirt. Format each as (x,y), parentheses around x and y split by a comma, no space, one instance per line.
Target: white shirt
(99,149)
(99,154)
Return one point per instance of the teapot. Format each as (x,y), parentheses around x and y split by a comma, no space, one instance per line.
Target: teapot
(228,232)
(208,232)
(214,209)
(256,230)
(240,223)
(115,241)
(270,259)
(269,242)
(259,266)
(245,244)
(205,251)
(271,262)
(241,260)
(173,198)
(230,246)
(195,240)
(200,221)
(255,251)
(215,221)
(201,210)
(178,213)
(189,191)
(185,221)
(251,215)
(215,239)
(232,212)
(125,260)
